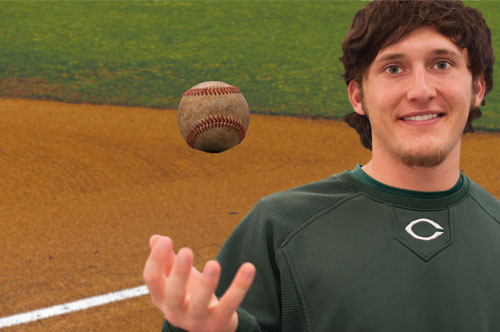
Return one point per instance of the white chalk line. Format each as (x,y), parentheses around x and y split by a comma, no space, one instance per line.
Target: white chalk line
(72,306)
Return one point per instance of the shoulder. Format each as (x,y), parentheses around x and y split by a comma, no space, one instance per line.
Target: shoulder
(282,212)
(311,196)
(483,198)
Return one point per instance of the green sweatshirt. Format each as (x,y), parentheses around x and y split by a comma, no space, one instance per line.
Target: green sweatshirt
(348,253)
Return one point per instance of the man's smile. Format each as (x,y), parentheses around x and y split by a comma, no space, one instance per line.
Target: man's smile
(422,117)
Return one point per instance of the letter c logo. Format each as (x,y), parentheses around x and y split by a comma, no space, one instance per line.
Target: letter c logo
(436,234)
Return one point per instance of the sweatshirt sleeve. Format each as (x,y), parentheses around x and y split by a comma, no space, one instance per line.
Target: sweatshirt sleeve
(251,241)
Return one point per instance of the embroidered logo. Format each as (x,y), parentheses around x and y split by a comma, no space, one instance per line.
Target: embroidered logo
(437,233)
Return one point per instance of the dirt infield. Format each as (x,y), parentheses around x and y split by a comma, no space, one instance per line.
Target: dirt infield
(82,188)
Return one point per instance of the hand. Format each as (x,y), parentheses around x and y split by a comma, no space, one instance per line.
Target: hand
(186,296)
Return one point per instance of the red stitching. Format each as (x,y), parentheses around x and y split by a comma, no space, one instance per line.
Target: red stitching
(214,121)
(212,91)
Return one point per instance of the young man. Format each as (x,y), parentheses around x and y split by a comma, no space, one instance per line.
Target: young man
(404,243)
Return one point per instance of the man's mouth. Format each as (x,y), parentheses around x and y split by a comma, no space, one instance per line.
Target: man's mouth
(424,117)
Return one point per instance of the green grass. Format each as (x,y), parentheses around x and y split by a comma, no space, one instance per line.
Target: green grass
(282,55)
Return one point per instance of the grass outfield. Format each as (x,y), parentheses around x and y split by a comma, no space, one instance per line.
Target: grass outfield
(282,55)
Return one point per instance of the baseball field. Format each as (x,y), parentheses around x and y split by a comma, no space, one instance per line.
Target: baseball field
(282,54)
(92,162)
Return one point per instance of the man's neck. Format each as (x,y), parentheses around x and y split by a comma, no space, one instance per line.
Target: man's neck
(395,174)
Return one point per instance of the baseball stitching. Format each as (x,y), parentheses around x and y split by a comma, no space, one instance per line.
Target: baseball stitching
(212,91)
(214,121)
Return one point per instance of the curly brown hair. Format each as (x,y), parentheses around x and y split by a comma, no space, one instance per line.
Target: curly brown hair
(382,23)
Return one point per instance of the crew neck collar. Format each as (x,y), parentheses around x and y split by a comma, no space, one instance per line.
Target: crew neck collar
(380,191)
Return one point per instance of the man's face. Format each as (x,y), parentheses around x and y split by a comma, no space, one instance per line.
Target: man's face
(417,94)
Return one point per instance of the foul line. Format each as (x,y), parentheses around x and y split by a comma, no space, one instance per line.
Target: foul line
(73,306)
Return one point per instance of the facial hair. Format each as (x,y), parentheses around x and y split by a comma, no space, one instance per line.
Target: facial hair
(429,159)
(414,159)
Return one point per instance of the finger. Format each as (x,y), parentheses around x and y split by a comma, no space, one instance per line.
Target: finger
(204,291)
(236,292)
(170,257)
(153,239)
(155,266)
(177,281)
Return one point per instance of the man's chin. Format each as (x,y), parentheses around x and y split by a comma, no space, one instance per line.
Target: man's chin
(422,159)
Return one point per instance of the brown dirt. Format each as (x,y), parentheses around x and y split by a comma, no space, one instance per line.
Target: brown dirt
(82,188)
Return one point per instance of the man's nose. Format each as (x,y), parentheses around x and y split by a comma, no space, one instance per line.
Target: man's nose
(421,86)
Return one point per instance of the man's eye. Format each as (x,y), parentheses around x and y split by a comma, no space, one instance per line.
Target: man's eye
(442,65)
(393,70)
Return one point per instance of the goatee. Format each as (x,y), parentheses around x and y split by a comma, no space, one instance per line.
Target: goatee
(432,159)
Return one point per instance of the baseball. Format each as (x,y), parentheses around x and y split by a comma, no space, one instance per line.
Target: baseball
(213,116)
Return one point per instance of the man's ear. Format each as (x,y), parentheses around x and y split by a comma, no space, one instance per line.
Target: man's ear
(355,96)
(479,89)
